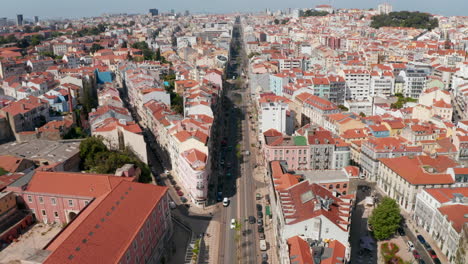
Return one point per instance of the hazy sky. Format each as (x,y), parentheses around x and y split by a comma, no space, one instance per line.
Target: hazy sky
(82,8)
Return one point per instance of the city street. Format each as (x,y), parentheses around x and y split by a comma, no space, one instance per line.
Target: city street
(241,247)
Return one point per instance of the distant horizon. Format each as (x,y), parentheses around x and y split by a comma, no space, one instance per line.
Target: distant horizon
(55,9)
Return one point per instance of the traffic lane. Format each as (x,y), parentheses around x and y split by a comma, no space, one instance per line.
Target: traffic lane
(230,243)
(417,245)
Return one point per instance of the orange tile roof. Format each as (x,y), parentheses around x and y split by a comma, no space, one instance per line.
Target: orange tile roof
(10,163)
(300,251)
(412,169)
(110,241)
(456,214)
(444,195)
(71,183)
(338,255)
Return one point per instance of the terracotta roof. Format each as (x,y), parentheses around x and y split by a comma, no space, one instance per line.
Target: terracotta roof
(71,183)
(24,105)
(416,170)
(133,203)
(300,251)
(338,255)
(456,214)
(10,163)
(444,195)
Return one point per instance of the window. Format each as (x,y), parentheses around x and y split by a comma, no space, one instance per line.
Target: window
(135,245)
(53,201)
(70,202)
(43,212)
(338,186)
(142,235)
(345,185)
(41,200)
(56,214)
(330,186)
(29,199)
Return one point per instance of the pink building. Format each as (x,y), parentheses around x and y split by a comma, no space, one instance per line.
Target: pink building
(125,221)
(293,149)
(193,174)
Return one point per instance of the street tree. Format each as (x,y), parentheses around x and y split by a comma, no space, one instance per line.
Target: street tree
(385,219)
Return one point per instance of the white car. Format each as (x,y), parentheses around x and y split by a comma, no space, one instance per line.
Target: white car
(233,223)
(225,202)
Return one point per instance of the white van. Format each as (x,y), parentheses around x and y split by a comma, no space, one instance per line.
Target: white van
(263,245)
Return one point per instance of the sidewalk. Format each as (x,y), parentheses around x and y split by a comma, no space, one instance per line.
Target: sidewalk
(270,237)
(421,231)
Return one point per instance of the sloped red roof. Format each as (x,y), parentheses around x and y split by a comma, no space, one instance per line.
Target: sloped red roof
(456,214)
(133,204)
(412,169)
(300,251)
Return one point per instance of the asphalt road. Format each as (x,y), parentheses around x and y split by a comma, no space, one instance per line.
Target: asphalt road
(242,246)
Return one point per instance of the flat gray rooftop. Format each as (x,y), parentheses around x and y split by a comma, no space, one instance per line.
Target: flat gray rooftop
(43,150)
(317,176)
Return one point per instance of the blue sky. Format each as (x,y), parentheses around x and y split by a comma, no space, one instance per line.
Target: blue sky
(81,8)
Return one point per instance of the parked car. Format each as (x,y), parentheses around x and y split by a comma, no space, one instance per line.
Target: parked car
(263,245)
(259,214)
(180,193)
(233,223)
(416,254)
(264,256)
(251,219)
(401,231)
(219,196)
(259,207)
(436,261)
(261,235)
(421,261)
(421,239)
(432,253)
(260,229)
(225,201)
(260,222)
(410,245)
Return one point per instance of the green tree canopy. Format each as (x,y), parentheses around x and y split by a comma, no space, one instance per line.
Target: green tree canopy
(312,12)
(405,19)
(95,47)
(385,219)
(97,158)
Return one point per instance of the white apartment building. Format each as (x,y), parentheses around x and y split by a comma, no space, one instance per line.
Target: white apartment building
(274,115)
(357,84)
(381,83)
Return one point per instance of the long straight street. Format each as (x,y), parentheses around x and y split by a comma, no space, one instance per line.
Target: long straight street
(237,246)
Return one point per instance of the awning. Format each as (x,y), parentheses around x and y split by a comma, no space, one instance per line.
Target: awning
(267,210)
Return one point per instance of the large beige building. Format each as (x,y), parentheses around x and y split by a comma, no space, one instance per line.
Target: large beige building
(403,177)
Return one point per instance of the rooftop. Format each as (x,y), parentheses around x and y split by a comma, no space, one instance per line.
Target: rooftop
(422,169)
(42,150)
(319,176)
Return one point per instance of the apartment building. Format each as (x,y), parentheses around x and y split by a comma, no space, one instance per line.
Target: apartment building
(381,83)
(99,205)
(274,114)
(26,114)
(439,211)
(402,178)
(414,82)
(308,209)
(357,84)
(374,149)
(315,109)
(315,150)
